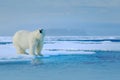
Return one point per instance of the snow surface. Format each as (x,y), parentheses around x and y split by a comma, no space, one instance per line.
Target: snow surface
(67,38)
(62,46)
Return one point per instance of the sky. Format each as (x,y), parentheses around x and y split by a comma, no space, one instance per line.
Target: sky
(61,17)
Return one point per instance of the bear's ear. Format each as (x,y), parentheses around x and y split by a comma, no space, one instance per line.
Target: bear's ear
(41,30)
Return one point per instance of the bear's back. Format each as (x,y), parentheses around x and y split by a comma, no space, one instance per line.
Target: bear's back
(21,34)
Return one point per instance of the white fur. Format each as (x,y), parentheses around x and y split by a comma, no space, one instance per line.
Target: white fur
(33,41)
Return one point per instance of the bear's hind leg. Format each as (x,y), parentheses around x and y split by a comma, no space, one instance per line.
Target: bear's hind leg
(21,51)
(24,52)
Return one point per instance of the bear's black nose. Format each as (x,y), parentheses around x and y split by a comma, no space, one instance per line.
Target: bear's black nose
(41,30)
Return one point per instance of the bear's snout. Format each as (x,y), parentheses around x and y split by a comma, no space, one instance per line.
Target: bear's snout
(41,31)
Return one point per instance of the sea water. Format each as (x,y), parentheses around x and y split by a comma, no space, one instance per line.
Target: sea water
(64,58)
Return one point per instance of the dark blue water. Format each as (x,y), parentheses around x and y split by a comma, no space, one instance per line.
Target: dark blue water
(99,66)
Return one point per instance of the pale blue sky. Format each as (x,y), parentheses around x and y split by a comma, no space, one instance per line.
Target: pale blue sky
(61,17)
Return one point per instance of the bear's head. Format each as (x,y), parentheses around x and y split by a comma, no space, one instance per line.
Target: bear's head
(39,34)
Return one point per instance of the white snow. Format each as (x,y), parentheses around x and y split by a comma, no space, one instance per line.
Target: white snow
(52,47)
(54,38)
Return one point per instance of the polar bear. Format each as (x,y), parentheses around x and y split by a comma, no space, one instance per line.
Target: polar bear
(33,41)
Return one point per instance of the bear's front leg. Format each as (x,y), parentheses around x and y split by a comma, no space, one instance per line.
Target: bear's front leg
(32,50)
(39,49)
